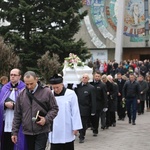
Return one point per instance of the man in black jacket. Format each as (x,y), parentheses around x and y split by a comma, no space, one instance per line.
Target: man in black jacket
(87,103)
(112,103)
(101,103)
(120,107)
(110,91)
(131,92)
(143,90)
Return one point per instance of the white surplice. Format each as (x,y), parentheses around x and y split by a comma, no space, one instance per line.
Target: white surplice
(67,120)
(9,114)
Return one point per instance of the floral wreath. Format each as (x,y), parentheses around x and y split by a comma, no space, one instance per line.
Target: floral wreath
(73,60)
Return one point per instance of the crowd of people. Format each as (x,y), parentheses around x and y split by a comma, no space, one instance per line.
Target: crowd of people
(124,67)
(32,114)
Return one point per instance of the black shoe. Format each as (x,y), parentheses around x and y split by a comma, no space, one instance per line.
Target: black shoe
(107,127)
(94,134)
(119,119)
(129,121)
(81,140)
(133,123)
(114,124)
(103,128)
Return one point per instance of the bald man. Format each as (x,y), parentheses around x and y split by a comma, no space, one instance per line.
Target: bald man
(87,103)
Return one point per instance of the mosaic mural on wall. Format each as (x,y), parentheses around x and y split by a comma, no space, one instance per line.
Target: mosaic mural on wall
(134,20)
(105,13)
(111,14)
(98,14)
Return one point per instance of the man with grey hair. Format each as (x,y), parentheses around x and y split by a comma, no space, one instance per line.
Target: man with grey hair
(113,101)
(87,103)
(35,109)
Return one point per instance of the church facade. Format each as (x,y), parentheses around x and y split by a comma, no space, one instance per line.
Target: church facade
(99,27)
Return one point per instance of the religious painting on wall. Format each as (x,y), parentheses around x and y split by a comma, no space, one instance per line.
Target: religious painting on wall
(134,20)
(105,13)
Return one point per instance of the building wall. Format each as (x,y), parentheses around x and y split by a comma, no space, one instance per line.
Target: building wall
(98,29)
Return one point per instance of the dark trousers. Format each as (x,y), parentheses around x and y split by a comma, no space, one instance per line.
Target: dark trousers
(141,106)
(95,120)
(103,118)
(37,142)
(65,146)
(131,108)
(120,110)
(108,118)
(6,143)
(82,132)
(148,99)
(112,117)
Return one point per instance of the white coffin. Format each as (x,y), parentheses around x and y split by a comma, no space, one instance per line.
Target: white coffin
(74,75)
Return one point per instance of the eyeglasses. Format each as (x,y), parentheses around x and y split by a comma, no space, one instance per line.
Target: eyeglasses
(14,75)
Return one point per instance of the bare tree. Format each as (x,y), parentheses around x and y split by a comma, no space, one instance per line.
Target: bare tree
(8,59)
(48,65)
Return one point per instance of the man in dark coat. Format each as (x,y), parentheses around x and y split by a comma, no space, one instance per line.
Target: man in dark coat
(143,70)
(113,101)
(110,89)
(101,103)
(87,103)
(131,92)
(120,106)
(143,90)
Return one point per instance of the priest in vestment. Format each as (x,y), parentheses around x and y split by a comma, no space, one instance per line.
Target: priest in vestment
(68,121)
(8,97)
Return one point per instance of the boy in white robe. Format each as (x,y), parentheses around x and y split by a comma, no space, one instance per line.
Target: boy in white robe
(68,121)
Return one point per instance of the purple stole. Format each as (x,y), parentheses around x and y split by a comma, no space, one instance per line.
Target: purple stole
(5,92)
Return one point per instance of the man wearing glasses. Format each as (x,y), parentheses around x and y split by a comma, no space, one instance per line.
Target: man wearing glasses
(8,97)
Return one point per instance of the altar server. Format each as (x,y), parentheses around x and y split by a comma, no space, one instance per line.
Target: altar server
(68,121)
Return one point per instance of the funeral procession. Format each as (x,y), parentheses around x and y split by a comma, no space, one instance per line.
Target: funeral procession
(75,75)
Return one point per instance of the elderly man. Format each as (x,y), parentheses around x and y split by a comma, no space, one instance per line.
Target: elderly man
(112,103)
(68,121)
(110,89)
(87,103)
(8,96)
(35,109)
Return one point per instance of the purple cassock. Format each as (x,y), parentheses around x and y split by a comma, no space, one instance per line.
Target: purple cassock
(5,92)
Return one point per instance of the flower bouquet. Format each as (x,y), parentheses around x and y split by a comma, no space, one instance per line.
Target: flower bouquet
(74,69)
(73,60)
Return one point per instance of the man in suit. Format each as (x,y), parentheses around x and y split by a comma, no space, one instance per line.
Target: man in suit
(120,104)
(101,103)
(87,103)
(110,89)
(143,90)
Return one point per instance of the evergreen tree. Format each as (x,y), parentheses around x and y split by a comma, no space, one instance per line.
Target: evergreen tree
(37,26)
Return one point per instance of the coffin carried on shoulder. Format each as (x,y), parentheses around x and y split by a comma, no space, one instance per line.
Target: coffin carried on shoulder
(74,75)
